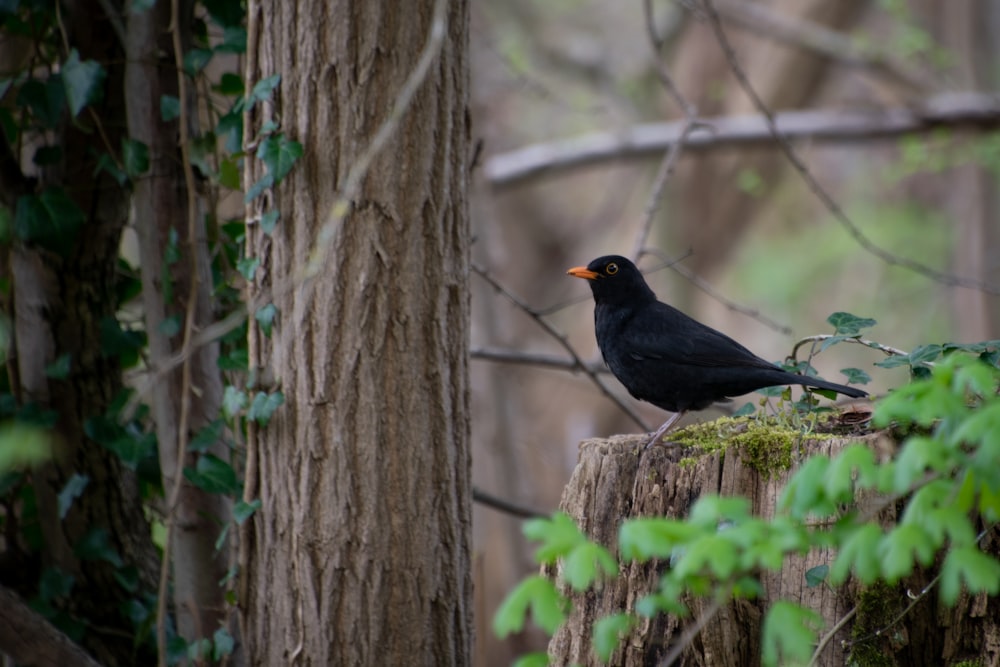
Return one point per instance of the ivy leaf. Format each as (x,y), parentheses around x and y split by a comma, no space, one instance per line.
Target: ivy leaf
(816,575)
(222,644)
(279,155)
(51,219)
(46,99)
(74,487)
(59,369)
(263,407)
(83,81)
(135,157)
(243,510)
(213,475)
(195,60)
(269,221)
(229,84)
(608,633)
(208,436)
(856,376)
(229,174)
(248,267)
(849,325)
(96,545)
(170,108)
(261,90)
(233,401)
(265,318)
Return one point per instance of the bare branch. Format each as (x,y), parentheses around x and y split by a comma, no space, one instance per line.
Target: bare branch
(968,110)
(538,359)
(561,338)
(505,506)
(825,197)
(762,20)
(858,339)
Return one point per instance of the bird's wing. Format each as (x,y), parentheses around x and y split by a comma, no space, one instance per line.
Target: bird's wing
(664,333)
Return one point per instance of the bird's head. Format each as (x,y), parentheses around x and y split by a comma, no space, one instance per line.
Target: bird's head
(614,279)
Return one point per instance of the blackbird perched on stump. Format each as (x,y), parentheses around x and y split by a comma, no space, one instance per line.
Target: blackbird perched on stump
(664,357)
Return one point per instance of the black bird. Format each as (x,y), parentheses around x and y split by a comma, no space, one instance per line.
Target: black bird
(668,359)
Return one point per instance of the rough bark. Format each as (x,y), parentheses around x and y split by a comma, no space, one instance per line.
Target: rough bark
(31,640)
(360,551)
(160,204)
(613,482)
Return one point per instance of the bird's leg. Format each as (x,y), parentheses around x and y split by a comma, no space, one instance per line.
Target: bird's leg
(660,432)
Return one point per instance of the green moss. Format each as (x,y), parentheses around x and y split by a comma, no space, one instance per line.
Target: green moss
(765,444)
(877,608)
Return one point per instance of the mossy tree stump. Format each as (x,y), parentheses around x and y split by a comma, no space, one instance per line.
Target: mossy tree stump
(615,480)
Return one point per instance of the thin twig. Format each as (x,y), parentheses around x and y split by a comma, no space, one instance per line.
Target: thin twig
(831,204)
(189,324)
(561,338)
(830,635)
(535,359)
(857,339)
(691,632)
(505,506)
(669,161)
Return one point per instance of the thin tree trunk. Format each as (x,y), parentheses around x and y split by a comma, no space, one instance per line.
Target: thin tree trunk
(160,205)
(360,552)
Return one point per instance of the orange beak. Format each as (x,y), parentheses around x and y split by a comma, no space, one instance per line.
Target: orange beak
(583,272)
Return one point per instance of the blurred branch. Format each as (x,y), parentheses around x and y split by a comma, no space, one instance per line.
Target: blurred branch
(762,20)
(536,359)
(505,506)
(890,351)
(673,153)
(971,110)
(561,338)
(825,197)
(30,639)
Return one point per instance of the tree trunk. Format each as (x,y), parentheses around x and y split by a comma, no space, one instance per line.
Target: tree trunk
(615,481)
(160,205)
(64,305)
(360,553)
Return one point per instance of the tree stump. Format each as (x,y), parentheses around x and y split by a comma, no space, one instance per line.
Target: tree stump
(615,480)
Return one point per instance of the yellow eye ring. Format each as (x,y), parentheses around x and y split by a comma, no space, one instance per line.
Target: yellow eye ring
(611,269)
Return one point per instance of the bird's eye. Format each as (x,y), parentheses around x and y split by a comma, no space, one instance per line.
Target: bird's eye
(611,269)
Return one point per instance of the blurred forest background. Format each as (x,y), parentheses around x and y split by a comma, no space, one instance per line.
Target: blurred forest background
(753,251)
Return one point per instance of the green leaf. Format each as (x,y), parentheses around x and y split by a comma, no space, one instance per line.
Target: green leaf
(23,445)
(265,318)
(59,369)
(140,6)
(262,90)
(170,326)
(46,100)
(234,40)
(537,659)
(559,535)
(225,12)
(789,634)
(47,155)
(580,566)
(269,221)
(263,406)
(222,644)
(968,564)
(244,510)
(858,552)
(70,492)
(540,595)
(229,174)
(54,583)
(195,60)
(122,343)
(248,267)
(230,84)
(854,465)
(96,545)
(213,475)
(51,219)
(745,411)
(643,539)
(608,633)
(170,108)
(233,401)
(902,548)
(279,155)
(816,575)
(848,324)
(856,376)
(207,436)
(83,81)
(135,157)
